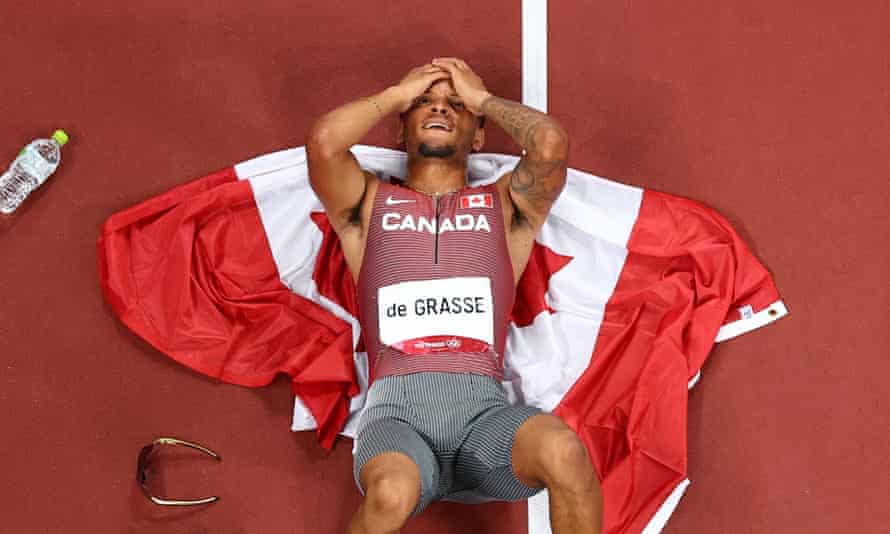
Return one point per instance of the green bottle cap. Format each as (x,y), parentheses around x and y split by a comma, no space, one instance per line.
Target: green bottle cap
(61,137)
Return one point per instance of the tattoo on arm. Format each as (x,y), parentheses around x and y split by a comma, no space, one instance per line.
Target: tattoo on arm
(528,179)
(519,121)
(523,124)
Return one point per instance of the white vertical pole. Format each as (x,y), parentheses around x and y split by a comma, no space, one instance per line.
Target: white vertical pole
(534,54)
(539,514)
(534,94)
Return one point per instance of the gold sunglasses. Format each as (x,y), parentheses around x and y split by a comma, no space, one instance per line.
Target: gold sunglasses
(142,462)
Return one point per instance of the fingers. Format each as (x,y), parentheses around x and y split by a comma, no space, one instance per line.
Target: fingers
(426,69)
(456,62)
(429,73)
(433,70)
(436,72)
(436,76)
(443,63)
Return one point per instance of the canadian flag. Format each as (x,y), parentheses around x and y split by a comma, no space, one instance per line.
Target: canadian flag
(239,275)
(480,200)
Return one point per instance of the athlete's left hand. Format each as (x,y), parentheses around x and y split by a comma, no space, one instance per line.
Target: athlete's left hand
(467,83)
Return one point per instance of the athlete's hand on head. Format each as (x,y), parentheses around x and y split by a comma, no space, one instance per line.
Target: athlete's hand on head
(467,83)
(417,81)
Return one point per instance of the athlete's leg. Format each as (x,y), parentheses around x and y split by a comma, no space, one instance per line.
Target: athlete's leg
(396,471)
(546,452)
(391,483)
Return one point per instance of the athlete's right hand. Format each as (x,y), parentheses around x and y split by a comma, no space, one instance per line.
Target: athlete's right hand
(416,82)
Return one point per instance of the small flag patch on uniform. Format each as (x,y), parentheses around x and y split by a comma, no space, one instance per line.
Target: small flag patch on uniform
(480,200)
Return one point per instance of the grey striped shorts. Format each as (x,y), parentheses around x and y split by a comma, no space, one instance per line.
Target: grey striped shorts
(458,429)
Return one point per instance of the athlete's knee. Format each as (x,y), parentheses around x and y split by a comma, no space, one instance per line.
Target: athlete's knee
(392,486)
(565,461)
(392,496)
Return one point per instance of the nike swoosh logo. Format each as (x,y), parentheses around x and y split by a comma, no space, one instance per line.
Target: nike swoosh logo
(392,201)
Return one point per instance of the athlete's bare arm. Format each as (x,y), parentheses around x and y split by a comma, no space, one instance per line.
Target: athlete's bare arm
(344,189)
(540,175)
(541,172)
(334,173)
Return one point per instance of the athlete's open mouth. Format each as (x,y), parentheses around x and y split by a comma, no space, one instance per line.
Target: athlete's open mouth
(437,124)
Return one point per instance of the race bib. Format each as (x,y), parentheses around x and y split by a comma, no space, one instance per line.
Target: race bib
(449,307)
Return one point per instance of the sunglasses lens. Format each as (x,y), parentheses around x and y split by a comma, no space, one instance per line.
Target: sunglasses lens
(142,463)
(151,478)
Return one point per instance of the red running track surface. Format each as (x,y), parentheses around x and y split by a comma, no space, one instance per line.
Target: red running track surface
(774,113)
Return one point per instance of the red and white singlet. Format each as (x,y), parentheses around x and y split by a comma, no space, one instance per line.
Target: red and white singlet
(436,285)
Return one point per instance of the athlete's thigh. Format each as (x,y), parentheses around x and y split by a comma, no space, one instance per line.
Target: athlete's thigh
(484,468)
(538,445)
(392,449)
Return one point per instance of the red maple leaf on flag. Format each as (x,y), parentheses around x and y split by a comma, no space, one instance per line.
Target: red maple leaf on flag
(534,283)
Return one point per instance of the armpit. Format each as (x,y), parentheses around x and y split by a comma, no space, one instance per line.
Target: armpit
(518,220)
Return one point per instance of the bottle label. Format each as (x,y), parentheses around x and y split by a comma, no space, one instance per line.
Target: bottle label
(35,164)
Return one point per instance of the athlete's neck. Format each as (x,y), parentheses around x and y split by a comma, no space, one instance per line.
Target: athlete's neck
(435,176)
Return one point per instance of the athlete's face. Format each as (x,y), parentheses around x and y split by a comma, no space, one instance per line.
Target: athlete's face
(439,126)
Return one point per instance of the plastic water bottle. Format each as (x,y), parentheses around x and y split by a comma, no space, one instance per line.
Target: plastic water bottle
(34,164)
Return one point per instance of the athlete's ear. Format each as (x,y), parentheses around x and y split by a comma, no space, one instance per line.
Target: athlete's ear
(479,139)
(400,134)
